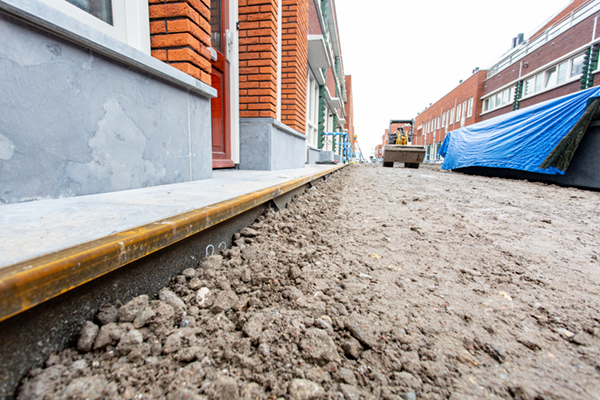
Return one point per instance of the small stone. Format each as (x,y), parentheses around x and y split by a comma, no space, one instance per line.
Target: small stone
(264,349)
(173,343)
(143,317)
(203,299)
(78,367)
(174,301)
(225,301)
(87,336)
(253,327)
(195,283)
(129,311)
(318,346)
(110,333)
(351,349)
(107,314)
(347,376)
(129,341)
(189,273)
(246,276)
(294,272)
(359,331)
(410,396)
(249,232)
(302,389)
(564,332)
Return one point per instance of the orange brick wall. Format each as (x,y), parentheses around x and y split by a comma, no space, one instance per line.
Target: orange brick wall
(180,35)
(294,64)
(258,58)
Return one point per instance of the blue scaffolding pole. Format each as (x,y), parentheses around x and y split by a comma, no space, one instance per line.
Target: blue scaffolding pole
(345,146)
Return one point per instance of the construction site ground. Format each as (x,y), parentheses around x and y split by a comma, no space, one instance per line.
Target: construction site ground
(383,283)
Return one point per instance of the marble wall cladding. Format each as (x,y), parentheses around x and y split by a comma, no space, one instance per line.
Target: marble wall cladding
(269,145)
(313,155)
(73,122)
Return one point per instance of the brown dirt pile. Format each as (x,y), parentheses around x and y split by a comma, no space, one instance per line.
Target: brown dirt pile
(380,283)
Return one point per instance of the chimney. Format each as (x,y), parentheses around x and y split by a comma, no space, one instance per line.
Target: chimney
(514,43)
(520,39)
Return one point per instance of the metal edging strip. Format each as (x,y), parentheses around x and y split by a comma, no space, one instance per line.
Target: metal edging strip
(28,283)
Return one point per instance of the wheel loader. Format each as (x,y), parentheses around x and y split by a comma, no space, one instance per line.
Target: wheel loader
(399,149)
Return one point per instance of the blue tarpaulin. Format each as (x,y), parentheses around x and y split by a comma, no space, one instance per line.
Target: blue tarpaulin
(520,140)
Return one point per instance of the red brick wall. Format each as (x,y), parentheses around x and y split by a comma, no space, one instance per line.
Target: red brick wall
(258,58)
(349,107)
(472,87)
(294,63)
(180,35)
(570,40)
(314,26)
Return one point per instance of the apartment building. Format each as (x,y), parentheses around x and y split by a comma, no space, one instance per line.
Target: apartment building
(106,95)
(461,107)
(560,58)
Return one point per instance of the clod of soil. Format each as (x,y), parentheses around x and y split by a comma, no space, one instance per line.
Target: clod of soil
(381,283)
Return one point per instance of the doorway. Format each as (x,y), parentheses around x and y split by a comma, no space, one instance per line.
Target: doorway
(220,112)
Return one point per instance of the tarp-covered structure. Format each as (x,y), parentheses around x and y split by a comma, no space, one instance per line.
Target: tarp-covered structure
(541,138)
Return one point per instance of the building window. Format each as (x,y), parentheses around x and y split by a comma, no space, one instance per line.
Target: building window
(458,109)
(565,72)
(444,119)
(101,9)
(470,107)
(577,66)
(452,115)
(562,73)
(125,20)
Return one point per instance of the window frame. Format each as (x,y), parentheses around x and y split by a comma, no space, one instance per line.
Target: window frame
(530,88)
(470,107)
(131,21)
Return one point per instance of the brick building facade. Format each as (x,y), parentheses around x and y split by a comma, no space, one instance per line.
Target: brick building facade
(558,59)
(461,107)
(195,84)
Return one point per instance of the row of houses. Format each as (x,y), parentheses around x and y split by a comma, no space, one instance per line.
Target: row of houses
(560,58)
(106,95)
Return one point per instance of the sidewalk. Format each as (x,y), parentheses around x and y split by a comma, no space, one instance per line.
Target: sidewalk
(50,246)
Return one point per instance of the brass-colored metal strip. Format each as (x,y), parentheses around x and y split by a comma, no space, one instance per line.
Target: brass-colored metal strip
(26,284)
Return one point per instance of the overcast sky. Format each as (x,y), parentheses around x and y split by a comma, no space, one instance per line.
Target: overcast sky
(403,55)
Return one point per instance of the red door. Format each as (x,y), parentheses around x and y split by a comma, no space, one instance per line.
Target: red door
(221,130)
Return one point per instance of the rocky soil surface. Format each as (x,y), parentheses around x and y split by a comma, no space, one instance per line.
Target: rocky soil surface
(378,284)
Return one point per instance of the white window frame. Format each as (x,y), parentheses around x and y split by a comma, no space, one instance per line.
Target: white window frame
(470,108)
(131,21)
(458,111)
(452,115)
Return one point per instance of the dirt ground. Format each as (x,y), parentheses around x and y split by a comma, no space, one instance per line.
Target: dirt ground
(378,284)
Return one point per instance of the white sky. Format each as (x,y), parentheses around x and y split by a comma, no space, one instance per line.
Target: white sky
(403,54)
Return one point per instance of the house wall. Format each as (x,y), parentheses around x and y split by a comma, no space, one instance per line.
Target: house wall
(294,64)
(349,106)
(258,58)
(570,40)
(180,35)
(471,88)
(91,119)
